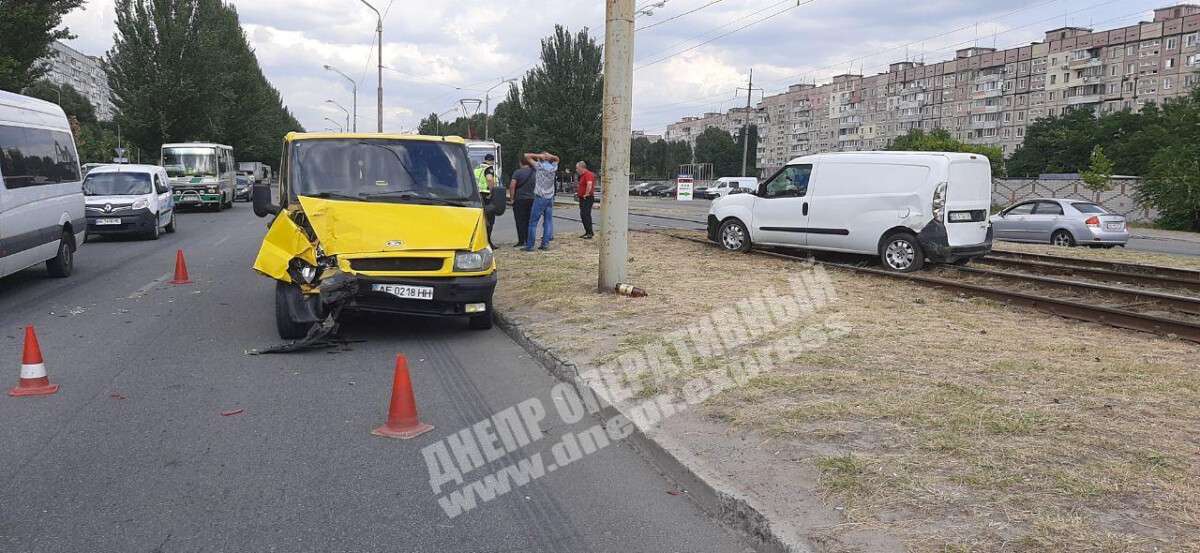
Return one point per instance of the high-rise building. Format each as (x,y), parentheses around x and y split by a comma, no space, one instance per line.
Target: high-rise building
(982,96)
(84,74)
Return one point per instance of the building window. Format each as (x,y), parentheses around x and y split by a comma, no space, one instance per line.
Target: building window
(1020,132)
(1169,63)
(1193,60)
(1020,116)
(1167,83)
(1053,80)
(1131,69)
(1171,42)
(1130,50)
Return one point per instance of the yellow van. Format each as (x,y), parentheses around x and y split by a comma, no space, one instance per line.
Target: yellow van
(376,222)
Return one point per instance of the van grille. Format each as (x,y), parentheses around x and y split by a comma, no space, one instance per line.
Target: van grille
(398,264)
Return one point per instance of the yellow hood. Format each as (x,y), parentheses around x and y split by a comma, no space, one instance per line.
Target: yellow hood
(349,227)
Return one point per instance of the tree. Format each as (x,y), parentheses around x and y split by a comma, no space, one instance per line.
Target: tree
(561,97)
(1098,176)
(1173,186)
(1057,144)
(940,140)
(73,103)
(27,28)
(717,147)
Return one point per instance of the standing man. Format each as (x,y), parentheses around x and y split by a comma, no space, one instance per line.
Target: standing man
(520,192)
(586,194)
(485,178)
(546,166)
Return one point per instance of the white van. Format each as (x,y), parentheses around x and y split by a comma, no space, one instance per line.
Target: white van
(41,201)
(129,199)
(905,207)
(726,185)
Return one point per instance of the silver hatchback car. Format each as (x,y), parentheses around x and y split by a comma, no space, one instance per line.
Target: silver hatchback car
(1060,222)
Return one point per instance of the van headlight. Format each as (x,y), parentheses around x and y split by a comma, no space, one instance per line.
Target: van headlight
(939,202)
(473,261)
(302,272)
(211,190)
(141,203)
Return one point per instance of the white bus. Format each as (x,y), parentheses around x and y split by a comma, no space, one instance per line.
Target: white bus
(41,193)
(202,174)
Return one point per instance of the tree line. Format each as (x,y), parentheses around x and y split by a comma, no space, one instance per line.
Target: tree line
(179,70)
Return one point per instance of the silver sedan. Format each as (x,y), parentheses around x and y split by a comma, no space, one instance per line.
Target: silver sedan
(1060,222)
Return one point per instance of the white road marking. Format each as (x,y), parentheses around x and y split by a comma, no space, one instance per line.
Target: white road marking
(142,291)
(221,241)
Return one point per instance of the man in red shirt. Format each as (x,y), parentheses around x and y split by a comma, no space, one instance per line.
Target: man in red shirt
(586,194)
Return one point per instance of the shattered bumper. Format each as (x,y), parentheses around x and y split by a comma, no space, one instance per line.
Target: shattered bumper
(450,295)
(936,243)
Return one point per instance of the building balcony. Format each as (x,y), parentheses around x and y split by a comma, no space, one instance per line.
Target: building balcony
(849,137)
(978,125)
(982,94)
(1084,99)
(909,104)
(994,77)
(908,117)
(1085,62)
(985,109)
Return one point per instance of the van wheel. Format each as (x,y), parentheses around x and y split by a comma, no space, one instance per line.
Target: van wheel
(482,321)
(63,263)
(171,224)
(902,253)
(733,236)
(1062,238)
(288,328)
(154,231)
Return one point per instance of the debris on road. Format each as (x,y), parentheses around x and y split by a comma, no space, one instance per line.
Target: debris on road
(232,412)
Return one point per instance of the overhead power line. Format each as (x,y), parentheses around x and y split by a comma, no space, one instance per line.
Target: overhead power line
(673,18)
(723,35)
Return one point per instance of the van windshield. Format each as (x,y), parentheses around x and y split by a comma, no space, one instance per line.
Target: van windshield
(406,171)
(190,162)
(116,184)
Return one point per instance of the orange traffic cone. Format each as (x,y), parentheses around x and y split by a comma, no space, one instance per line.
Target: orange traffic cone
(402,421)
(34,381)
(181,273)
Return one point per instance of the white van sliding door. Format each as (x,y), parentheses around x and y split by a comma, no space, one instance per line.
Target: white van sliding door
(854,203)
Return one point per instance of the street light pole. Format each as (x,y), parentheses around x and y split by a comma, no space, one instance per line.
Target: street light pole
(379,39)
(339,125)
(353,91)
(487,107)
(618,125)
(339,106)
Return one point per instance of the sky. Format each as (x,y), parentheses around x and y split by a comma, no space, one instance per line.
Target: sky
(439,51)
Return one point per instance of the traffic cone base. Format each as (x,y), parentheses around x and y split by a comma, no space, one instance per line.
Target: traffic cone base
(181,272)
(33,380)
(402,421)
(406,433)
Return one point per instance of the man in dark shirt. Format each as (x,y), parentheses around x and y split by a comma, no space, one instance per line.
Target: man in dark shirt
(586,194)
(520,191)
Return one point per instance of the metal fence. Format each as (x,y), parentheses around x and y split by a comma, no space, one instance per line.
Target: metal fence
(1121,199)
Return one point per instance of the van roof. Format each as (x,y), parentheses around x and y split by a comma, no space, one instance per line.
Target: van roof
(24,110)
(126,168)
(293,136)
(196,145)
(948,157)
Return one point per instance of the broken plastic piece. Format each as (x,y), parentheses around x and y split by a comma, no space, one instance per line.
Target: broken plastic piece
(232,412)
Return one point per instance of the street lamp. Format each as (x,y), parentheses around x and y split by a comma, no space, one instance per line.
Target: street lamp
(339,125)
(487,107)
(379,39)
(353,91)
(438,119)
(339,106)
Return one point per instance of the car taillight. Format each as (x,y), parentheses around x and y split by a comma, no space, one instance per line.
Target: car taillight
(1092,221)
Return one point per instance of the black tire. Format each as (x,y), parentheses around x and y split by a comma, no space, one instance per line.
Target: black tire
(1063,238)
(154,231)
(171,224)
(288,329)
(63,263)
(733,236)
(482,321)
(901,252)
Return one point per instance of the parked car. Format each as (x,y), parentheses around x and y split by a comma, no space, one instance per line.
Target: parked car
(1062,222)
(644,188)
(725,185)
(904,207)
(41,201)
(243,188)
(658,188)
(667,191)
(129,199)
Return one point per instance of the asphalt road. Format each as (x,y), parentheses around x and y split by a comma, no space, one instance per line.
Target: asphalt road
(133,453)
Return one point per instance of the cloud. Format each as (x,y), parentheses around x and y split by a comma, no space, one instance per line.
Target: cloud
(439,51)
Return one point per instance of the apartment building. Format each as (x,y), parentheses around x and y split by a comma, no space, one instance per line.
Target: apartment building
(983,95)
(84,73)
(648,136)
(688,128)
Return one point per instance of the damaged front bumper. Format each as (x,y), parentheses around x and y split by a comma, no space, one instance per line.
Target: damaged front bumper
(450,296)
(936,243)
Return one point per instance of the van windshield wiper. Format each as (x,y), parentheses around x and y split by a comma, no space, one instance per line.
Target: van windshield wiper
(335,196)
(414,197)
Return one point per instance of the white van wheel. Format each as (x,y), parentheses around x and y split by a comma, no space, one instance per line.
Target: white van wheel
(902,253)
(63,263)
(733,236)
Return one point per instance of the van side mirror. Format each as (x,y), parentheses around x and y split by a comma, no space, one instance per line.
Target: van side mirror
(498,203)
(261,193)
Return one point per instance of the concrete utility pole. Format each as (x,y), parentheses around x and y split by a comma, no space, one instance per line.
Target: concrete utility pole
(746,126)
(618,130)
(379,39)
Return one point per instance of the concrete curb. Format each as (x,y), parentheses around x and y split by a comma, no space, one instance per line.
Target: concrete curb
(714,498)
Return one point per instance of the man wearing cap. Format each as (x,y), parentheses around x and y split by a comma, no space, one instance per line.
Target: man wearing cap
(485,178)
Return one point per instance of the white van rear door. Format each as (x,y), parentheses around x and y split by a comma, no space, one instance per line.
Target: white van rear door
(968,201)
